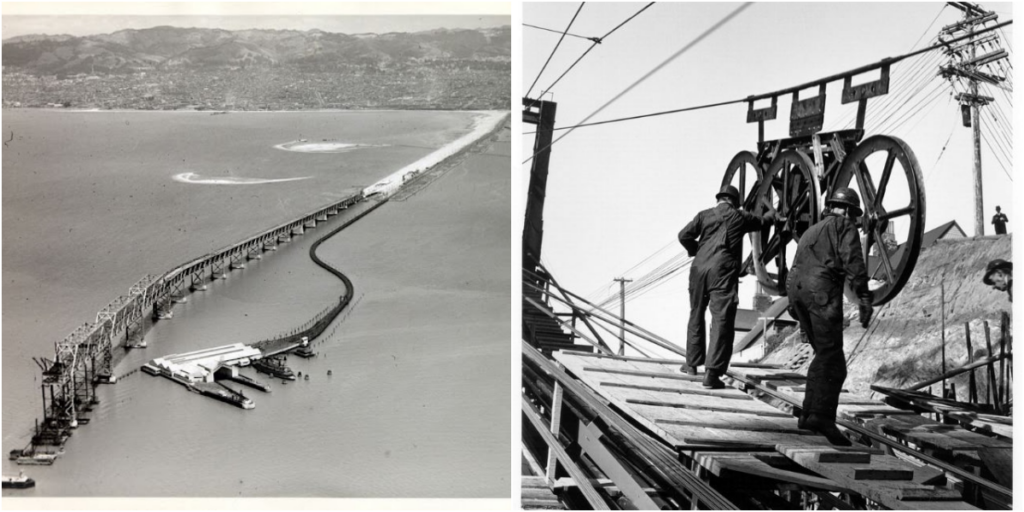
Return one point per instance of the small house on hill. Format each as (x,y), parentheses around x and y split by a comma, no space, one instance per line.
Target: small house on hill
(946,231)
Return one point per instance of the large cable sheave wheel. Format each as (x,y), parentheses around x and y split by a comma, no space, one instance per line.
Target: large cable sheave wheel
(791,187)
(744,173)
(885,173)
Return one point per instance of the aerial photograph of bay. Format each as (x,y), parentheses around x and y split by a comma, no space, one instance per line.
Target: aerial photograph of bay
(254,252)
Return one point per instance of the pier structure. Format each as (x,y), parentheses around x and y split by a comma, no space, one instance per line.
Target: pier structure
(85,357)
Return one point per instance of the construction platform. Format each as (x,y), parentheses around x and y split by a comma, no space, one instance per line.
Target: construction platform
(746,437)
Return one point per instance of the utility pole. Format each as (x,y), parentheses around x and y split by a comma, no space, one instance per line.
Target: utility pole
(622,313)
(541,114)
(964,62)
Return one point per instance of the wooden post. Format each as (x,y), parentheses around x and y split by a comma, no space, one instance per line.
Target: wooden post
(1004,326)
(972,389)
(556,421)
(942,306)
(622,313)
(991,395)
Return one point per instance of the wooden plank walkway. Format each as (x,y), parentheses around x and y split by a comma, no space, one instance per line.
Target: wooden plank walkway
(730,433)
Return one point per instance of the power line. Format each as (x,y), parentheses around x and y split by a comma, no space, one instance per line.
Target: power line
(943,8)
(890,60)
(657,68)
(597,41)
(555,49)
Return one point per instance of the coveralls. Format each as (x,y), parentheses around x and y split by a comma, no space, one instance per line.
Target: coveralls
(829,253)
(715,236)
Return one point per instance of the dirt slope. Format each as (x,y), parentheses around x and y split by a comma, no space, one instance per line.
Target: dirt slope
(904,343)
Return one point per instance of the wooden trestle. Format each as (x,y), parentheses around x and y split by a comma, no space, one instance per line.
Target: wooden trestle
(743,441)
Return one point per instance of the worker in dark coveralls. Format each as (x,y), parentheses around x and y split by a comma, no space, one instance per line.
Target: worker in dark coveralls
(999,220)
(999,275)
(828,255)
(714,238)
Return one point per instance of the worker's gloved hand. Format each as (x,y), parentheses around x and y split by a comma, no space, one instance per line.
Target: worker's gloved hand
(771,214)
(866,310)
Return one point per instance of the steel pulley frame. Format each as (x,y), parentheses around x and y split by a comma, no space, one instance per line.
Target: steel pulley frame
(796,176)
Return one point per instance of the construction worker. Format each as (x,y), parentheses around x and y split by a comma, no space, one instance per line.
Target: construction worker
(999,220)
(828,255)
(714,238)
(999,275)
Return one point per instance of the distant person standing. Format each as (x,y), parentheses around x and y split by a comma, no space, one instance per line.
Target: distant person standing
(999,275)
(1000,220)
(714,238)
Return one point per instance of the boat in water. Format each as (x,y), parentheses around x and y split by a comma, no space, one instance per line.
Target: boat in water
(18,482)
(274,366)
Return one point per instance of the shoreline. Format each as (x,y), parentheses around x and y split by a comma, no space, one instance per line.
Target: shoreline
(221,112)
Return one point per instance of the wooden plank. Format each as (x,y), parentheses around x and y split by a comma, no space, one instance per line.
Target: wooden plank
(721,464)
(882,474)
(694,402)
(530,482)
(845,457)
(727,394)
(712,419)
(708,407)
(890,493)
(781,430)
(999,462)
(639,373)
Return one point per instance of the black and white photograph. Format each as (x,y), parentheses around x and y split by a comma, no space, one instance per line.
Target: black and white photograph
(256,250)
(767,255)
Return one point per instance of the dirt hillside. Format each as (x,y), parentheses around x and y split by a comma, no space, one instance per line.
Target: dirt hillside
(903,344)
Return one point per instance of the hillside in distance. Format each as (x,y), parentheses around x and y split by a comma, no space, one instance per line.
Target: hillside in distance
(159,48)
(171,67)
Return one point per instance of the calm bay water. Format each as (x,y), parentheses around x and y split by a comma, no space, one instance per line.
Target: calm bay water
(418,402)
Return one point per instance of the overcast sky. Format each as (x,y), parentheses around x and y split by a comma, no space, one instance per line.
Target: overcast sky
(618,193)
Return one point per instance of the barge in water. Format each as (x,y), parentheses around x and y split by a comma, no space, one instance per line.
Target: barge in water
(18,482)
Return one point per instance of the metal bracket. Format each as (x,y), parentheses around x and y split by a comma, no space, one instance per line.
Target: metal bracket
(807,116)
(761,115)
(819,160)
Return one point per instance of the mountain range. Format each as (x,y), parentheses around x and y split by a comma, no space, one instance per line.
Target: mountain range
(180,49)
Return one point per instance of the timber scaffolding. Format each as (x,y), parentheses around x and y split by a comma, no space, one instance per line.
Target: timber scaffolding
(603,431)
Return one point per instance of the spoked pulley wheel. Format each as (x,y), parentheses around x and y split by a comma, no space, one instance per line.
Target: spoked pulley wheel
(791,187)
(885,173)
(743,173)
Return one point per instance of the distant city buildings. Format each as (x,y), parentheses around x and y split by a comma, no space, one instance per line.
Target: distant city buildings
(421,84)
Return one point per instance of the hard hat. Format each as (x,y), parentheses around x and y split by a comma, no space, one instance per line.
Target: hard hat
(730,192)
(847,197)
(996,264)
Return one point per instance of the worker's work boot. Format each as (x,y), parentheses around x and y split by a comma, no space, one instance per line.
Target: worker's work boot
(689,370)
(826,428)
(711,380)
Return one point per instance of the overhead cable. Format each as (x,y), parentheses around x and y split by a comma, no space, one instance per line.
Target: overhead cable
(890,60)
(596,41)
(657,68)
(555,49)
